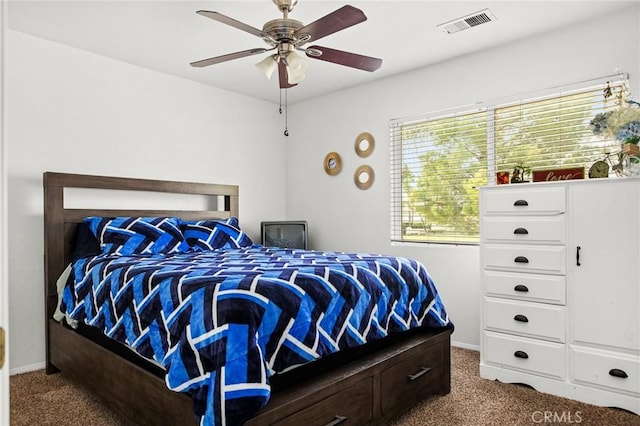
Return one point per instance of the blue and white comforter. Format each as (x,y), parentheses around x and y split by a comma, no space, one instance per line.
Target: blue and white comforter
(222,322)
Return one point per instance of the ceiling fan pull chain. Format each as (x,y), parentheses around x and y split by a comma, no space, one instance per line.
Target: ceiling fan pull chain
(286,124)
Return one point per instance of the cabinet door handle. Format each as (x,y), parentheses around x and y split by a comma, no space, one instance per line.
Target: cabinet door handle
(578,256)
(616,372)
(521,203)
(521,231)
(422,372)
(521,259)
(521,354)
(521,318)
(522,288)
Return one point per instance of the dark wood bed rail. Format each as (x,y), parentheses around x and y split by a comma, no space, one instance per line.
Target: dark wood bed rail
(60,222)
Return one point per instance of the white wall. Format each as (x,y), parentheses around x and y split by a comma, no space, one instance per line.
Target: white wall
(73,111)
(343,217)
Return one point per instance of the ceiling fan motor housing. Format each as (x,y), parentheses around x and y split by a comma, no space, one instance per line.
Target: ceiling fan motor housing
(283,30)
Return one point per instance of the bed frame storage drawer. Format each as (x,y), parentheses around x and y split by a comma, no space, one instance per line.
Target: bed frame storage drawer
(411,377)
(323,399)
(352,406)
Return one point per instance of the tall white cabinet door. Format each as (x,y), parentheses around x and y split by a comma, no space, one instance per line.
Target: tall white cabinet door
(604,267)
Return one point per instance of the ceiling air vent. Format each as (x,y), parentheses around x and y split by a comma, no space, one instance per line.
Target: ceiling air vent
(468,21)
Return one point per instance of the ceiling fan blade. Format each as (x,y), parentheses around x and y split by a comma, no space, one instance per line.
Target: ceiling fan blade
(232,22)
(283,76)
(228,57)
(337,20)
(353,60)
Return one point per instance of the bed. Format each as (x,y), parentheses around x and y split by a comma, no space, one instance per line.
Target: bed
(369,383)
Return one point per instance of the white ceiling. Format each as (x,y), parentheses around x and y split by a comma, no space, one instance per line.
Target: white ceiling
(167,35)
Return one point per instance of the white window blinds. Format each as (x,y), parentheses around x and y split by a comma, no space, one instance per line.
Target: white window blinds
(438,162)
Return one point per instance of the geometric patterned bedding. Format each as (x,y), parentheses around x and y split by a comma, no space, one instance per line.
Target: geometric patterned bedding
(222,322)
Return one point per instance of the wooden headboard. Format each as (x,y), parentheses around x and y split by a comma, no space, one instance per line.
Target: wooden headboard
(60,222)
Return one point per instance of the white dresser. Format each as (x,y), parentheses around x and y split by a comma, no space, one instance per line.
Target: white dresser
(561,288)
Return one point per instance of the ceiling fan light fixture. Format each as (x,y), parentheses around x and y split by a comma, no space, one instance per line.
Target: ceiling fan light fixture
(268,65)
(296,68)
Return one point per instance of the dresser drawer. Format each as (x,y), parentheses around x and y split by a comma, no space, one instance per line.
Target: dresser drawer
(522,286)
(604,368)
(528,319)
(354,406)
(520,353)
(539,229)
(542,259)
(528,200)
(417,375)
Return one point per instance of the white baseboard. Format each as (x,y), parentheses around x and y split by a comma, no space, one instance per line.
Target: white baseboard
(465,346)
(27,368)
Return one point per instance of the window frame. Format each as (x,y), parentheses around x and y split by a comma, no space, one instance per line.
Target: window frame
(397,191)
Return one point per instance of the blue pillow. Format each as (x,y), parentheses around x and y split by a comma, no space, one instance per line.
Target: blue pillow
(138,235)
(205,235)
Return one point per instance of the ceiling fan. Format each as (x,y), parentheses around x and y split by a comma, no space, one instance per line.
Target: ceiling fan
(286,35)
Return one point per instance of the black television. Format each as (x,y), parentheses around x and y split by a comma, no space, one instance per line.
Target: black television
(284,234)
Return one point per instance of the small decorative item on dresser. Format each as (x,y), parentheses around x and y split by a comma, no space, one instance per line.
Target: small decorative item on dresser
(502,178)
(552,175)
(631,149)
(520,173)
(599,169)
(622,123)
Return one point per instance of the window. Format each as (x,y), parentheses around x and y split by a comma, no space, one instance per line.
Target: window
(437,162)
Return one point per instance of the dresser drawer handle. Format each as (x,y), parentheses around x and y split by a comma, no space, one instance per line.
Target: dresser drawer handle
(521,318)
(522,288)
(422,372)
(521,203)
(521,231)
(521,259)
(521,354)
(616,372)
(337,420)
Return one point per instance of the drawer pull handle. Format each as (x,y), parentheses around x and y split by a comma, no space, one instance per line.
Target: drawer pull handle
(522,288)
(616,372)
(521,231)
(422,372)
(521,354)
(521,203)
(521,318)
(521,259)
(578,256)
(337,420)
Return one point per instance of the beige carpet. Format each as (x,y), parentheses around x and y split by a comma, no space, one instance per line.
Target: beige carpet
(38,399)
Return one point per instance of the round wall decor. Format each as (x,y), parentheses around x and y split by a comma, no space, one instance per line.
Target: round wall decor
(364,177)
(332,163)
(365,144)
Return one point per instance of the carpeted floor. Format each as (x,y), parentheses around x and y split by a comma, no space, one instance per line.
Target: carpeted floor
(38,399)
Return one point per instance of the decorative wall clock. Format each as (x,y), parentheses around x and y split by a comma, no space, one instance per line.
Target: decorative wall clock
(332,163)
